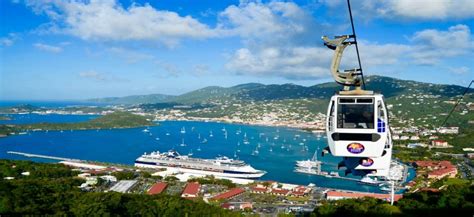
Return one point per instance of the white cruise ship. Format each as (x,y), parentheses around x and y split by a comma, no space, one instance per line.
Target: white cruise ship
(221,166)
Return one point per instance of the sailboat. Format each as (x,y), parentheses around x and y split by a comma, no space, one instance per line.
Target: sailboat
(204,141)
(183,130)
(199,148)
(210,134)
(182,143)
(190,153)
(199,136)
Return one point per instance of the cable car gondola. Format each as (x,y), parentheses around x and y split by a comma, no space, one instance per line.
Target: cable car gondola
(357,120)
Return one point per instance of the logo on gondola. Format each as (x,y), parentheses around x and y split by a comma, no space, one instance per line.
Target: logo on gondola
(366,162)
(355,148)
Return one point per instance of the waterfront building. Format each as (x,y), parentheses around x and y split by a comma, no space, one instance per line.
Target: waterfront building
(437,169)
(191,190)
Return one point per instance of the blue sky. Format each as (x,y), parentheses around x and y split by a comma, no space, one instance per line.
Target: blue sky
(84,49)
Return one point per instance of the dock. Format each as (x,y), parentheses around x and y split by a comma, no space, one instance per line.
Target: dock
(42,156)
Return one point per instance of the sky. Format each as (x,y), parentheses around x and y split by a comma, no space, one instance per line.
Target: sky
(67,50)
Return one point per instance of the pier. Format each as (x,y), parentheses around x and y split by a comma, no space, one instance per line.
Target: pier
(43,156)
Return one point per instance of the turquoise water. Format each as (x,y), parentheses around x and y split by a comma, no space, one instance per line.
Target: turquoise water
(125,145)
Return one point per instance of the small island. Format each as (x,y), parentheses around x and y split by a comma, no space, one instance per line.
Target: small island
(117,119)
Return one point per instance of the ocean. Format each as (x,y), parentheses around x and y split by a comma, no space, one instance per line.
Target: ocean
(279,148)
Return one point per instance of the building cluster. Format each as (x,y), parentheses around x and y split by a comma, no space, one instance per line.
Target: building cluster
(436,169)
(275,188)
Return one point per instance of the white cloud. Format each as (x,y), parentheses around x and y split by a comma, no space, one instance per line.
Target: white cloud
(108,20)
(463,70)
(302,62)
(8,40)
(408,9)
(270,23)
(291,63)
(48,48)
(431,45)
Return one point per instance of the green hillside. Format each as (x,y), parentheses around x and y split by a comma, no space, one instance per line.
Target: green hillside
(113,120)
(390,87)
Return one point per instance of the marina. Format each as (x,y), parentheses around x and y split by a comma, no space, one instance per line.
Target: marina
(123,146)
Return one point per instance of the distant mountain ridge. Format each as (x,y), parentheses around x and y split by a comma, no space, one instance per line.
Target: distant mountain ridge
(390,87)
(134,99)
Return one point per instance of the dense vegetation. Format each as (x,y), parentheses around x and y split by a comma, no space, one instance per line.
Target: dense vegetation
(113,120)
(6,130)
(52,189)
(456,200)
(213,180)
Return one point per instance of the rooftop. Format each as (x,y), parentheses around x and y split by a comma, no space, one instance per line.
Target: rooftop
(191,189)
(228,194)
(157,188)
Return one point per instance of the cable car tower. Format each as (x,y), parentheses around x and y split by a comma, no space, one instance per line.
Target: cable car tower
(357,120)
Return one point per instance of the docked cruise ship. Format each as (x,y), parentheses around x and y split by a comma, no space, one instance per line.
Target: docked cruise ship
(220,166)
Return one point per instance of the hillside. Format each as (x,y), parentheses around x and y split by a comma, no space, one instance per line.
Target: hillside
(135,99)
(113,120)
(390,87)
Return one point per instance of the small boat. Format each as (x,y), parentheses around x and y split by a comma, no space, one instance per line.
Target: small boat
(199,148)
(204,141)
(145,130)
(157,138)
(182,143)
(168,134)
(369,181)
(238,143)
(223,129)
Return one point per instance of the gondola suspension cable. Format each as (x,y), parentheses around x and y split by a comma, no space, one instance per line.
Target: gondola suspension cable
(457,103)
(356,46)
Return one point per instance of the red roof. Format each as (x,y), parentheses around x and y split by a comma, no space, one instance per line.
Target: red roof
(259,189)
(192,188)
(359,195)
(231,193)
(279,191)
(157,188)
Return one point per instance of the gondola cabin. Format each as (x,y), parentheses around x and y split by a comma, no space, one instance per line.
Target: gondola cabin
(357,124)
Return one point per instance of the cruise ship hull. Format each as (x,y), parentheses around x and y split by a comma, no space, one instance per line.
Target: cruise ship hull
(229,174)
